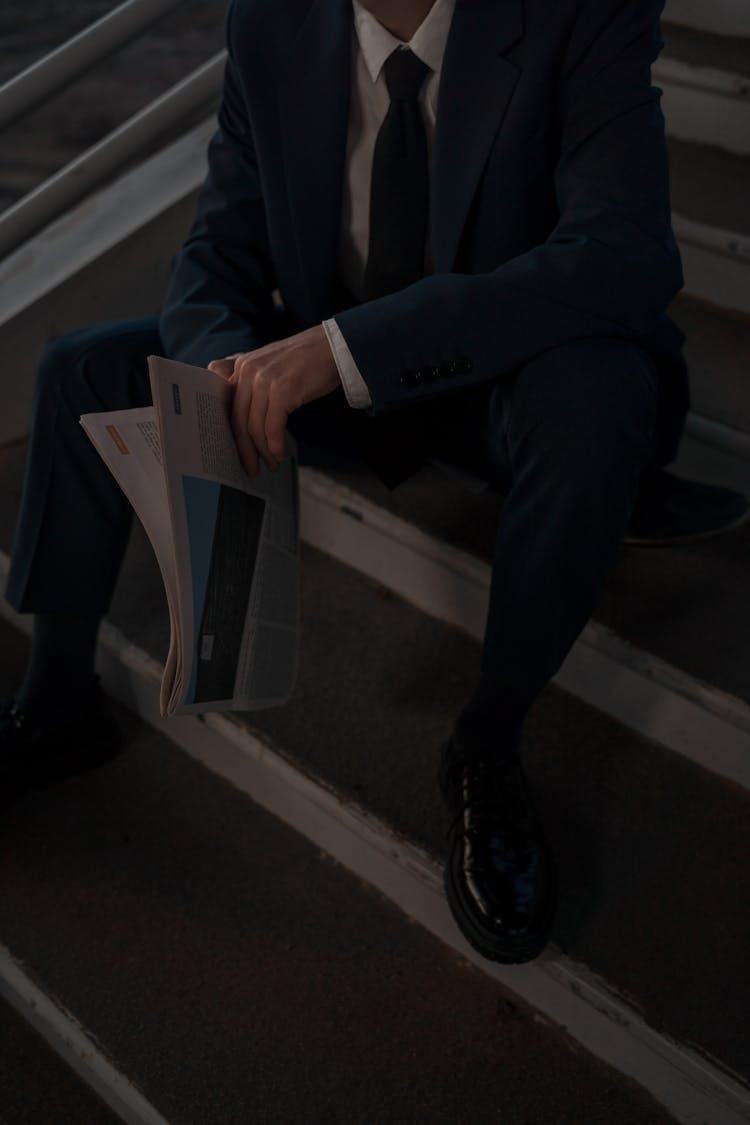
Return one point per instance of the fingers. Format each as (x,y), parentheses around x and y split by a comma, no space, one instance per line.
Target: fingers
(238,417)
(276,417)
(249,419)
(260,407)
(257,419)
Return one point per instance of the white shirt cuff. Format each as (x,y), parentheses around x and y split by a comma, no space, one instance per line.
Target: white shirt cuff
(355,388)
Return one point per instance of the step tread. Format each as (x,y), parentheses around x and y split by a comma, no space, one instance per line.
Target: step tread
(395,681)
(661,600)
(33,1078)
(710,185)
(718,344)
(703,49)
(236,974)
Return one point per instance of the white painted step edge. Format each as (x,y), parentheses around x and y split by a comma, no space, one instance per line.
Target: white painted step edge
(735,443)
(646,694)
(73,1044)
(102,221)
(716,263)
(706,79)
(705,106)
(723,243)
(691,1087)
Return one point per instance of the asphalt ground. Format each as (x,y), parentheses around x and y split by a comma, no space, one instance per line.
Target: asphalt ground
(36,1086)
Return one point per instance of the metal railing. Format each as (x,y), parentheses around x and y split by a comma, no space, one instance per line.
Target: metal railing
(58,69)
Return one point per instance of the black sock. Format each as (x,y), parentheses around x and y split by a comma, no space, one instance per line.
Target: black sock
(495,738)
(60,681)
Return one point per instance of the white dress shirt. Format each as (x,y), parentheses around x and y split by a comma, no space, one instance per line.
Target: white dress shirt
(371,45)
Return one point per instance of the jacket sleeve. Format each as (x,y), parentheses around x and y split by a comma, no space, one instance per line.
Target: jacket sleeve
(609,268)
(218,299)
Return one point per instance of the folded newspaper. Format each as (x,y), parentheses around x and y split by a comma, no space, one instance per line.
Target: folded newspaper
(227,544)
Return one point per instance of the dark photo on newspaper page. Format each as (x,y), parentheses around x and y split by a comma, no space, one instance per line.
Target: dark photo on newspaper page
(227,544)
(224,529)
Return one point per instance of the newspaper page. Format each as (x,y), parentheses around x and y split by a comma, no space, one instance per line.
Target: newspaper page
(128,442)
(236,546)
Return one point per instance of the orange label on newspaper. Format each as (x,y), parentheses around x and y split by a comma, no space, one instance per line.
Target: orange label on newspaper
(117,439)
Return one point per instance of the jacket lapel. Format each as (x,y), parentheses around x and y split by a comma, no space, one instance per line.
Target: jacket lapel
(314,100)
(476,85)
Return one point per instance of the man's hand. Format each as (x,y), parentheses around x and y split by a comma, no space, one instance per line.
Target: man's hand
(269,383)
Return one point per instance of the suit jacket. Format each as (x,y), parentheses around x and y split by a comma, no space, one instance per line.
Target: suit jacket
(549,210)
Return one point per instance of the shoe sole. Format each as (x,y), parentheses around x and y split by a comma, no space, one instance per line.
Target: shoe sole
(485,941)
(695,537)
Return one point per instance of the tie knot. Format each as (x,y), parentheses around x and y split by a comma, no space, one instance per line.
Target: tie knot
(404,73)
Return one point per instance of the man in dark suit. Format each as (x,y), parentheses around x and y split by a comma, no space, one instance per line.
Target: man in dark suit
(464,207)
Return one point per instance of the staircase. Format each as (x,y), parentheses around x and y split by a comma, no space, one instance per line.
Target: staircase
(241,918)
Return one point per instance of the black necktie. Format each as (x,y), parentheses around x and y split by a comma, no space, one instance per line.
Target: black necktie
(400,184)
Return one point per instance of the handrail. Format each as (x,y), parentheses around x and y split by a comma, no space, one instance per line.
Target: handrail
(51,73)
(94,166)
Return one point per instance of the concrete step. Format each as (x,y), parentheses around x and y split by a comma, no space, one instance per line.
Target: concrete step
(720,17)
(704,50)
(658,600)
(710,218)
(717,347)
(42,142)
(36,1086)
(710,187)
(234,973)
(637,660)
(706,88)
(651,847)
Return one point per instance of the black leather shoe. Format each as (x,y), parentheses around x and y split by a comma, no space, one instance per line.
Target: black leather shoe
(671,509)
(500,877)
(29,758)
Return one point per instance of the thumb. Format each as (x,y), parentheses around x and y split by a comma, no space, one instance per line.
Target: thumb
(223,367)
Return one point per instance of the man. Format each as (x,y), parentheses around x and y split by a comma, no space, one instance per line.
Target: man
(465,209)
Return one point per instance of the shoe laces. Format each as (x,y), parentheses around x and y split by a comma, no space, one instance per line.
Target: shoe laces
(493,792)
(11,716)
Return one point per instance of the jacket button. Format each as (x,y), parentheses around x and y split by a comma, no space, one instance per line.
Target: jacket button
(430,374)
(465,365)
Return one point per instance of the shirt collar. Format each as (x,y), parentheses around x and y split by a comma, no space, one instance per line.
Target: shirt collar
(428,42)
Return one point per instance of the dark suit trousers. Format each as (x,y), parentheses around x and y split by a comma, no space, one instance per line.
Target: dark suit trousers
(567,435)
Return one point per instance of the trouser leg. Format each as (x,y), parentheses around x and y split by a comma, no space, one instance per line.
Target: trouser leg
(74,521)
(570,432)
